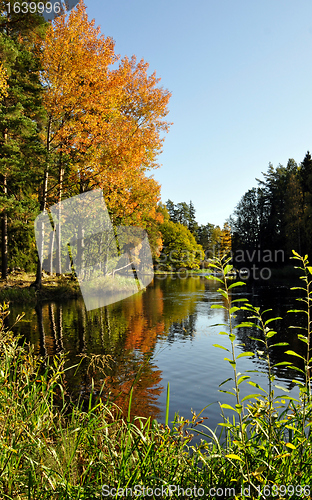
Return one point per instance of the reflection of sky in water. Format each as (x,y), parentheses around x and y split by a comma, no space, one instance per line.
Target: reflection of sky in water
(195,370)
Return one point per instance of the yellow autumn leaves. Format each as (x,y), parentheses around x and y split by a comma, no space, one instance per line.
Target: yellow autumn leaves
(3,82)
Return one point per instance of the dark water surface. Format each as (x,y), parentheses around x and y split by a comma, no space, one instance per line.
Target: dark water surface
(162,335)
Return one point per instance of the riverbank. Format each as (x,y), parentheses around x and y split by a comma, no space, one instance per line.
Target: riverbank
(17,288)
(54,288)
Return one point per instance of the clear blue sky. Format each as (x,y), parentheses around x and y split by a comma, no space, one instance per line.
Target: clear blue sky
(240,74)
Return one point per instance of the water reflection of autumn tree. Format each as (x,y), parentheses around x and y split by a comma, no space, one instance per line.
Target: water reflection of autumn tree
(118,333)
(137,371)
(145,328)
(179,310)
(126,333)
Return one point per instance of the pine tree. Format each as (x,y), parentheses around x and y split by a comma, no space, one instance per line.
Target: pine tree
(171,210)
(305,178)
(20,113)
(192,224)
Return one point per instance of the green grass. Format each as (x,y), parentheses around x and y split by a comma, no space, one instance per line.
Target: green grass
(113,284)
(17,288)
(55,448)
(55,288)
(17,295)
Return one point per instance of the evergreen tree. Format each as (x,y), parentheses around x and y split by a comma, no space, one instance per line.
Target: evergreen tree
(171,210)
(20,146)
(212,239)
(183,213)
(305,178)
(306,174)
(294,215)
(204,236)
(275,215)
(192,224)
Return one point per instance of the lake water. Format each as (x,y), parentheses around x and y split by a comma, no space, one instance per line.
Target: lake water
(164,334)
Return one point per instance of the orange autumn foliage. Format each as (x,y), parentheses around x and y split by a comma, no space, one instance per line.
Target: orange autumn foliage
(75,62)
(107,121)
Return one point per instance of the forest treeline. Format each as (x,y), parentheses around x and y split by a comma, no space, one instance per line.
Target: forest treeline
(187,244)
(268,222)
(275,217)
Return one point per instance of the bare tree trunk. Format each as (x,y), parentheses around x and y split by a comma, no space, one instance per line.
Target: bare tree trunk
(80,250)
(100,253)
(59,225)
(4,231)
(38,282)
(105,264)
(51,252)
(4,227)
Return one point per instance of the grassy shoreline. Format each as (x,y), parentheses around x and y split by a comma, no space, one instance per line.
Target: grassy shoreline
(54,288)
(17,288)
(55,448)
